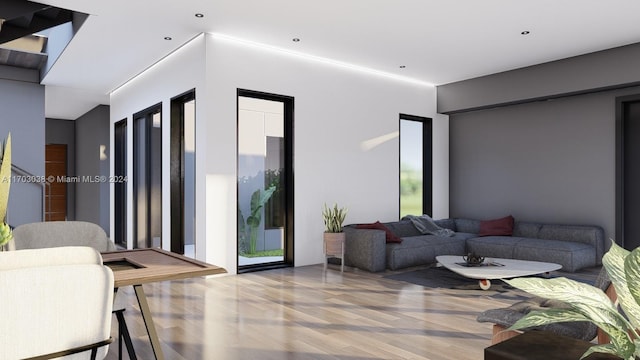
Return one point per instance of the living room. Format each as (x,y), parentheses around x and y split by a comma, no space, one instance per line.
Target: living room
(507,153)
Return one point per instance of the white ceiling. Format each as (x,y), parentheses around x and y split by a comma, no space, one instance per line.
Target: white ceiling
(438,41)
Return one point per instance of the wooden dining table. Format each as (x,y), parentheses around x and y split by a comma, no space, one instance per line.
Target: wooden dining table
(141,266)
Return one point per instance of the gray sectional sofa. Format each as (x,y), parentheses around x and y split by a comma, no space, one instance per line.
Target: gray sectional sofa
(573,246)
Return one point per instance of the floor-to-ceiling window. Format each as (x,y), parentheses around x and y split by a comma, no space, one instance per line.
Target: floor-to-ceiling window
(183,147)
(415,165)
(265,180)
(147,178)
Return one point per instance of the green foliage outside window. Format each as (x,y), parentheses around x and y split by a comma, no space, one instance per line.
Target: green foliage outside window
(411,185)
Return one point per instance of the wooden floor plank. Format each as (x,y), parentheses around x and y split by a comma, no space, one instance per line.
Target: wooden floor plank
(307,313)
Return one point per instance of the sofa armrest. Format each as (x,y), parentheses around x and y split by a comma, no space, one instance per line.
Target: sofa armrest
(365,249)
(590,235)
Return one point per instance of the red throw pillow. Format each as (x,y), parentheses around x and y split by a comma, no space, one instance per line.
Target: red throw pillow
(391,237)
(497,227)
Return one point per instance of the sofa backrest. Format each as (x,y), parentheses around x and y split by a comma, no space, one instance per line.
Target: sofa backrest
(402,228)
(526,229)
(446,224)
(467,226)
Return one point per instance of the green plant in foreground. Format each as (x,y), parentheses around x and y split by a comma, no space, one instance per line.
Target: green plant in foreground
(5,177)
(333,218)
(588,303)
(5,234)
(5,182)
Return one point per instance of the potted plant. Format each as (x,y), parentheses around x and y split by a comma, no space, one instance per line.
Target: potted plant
(588,303)
(333,235)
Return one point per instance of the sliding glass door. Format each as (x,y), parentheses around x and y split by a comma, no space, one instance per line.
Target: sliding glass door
(147,186)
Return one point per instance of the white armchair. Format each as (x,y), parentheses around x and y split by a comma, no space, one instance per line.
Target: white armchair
(60,233)
(54,302)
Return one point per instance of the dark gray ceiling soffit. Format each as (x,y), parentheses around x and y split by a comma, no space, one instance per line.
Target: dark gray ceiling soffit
(22,18)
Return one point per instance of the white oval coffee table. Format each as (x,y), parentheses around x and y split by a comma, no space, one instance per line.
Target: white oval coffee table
(495,268)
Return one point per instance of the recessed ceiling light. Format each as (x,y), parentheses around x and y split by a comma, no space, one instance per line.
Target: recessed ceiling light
(402,66)
(199,15)
(295,39)
(526,32)
(168,38)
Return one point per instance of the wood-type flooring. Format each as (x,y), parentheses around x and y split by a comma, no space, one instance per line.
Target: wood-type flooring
(307,313)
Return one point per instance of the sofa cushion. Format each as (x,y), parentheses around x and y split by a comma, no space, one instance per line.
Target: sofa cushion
(573,256)
(497,227)
(390,237)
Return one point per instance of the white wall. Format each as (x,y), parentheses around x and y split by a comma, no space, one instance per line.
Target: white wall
(176,74)
(336,110)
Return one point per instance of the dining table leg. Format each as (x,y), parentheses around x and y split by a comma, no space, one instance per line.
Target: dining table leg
(148,322)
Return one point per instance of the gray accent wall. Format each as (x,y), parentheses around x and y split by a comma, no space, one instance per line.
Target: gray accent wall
(602,70)
(539,143)
(551,161)
(60,131)
(92,197)
(22,114)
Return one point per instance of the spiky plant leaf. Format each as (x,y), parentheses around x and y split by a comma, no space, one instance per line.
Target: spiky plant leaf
(562,289)
(632,275)
(586,299)
(608,320)
(619,339)
(614,263)
(5,178)
(605,348)
(333,218)
(586,302)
